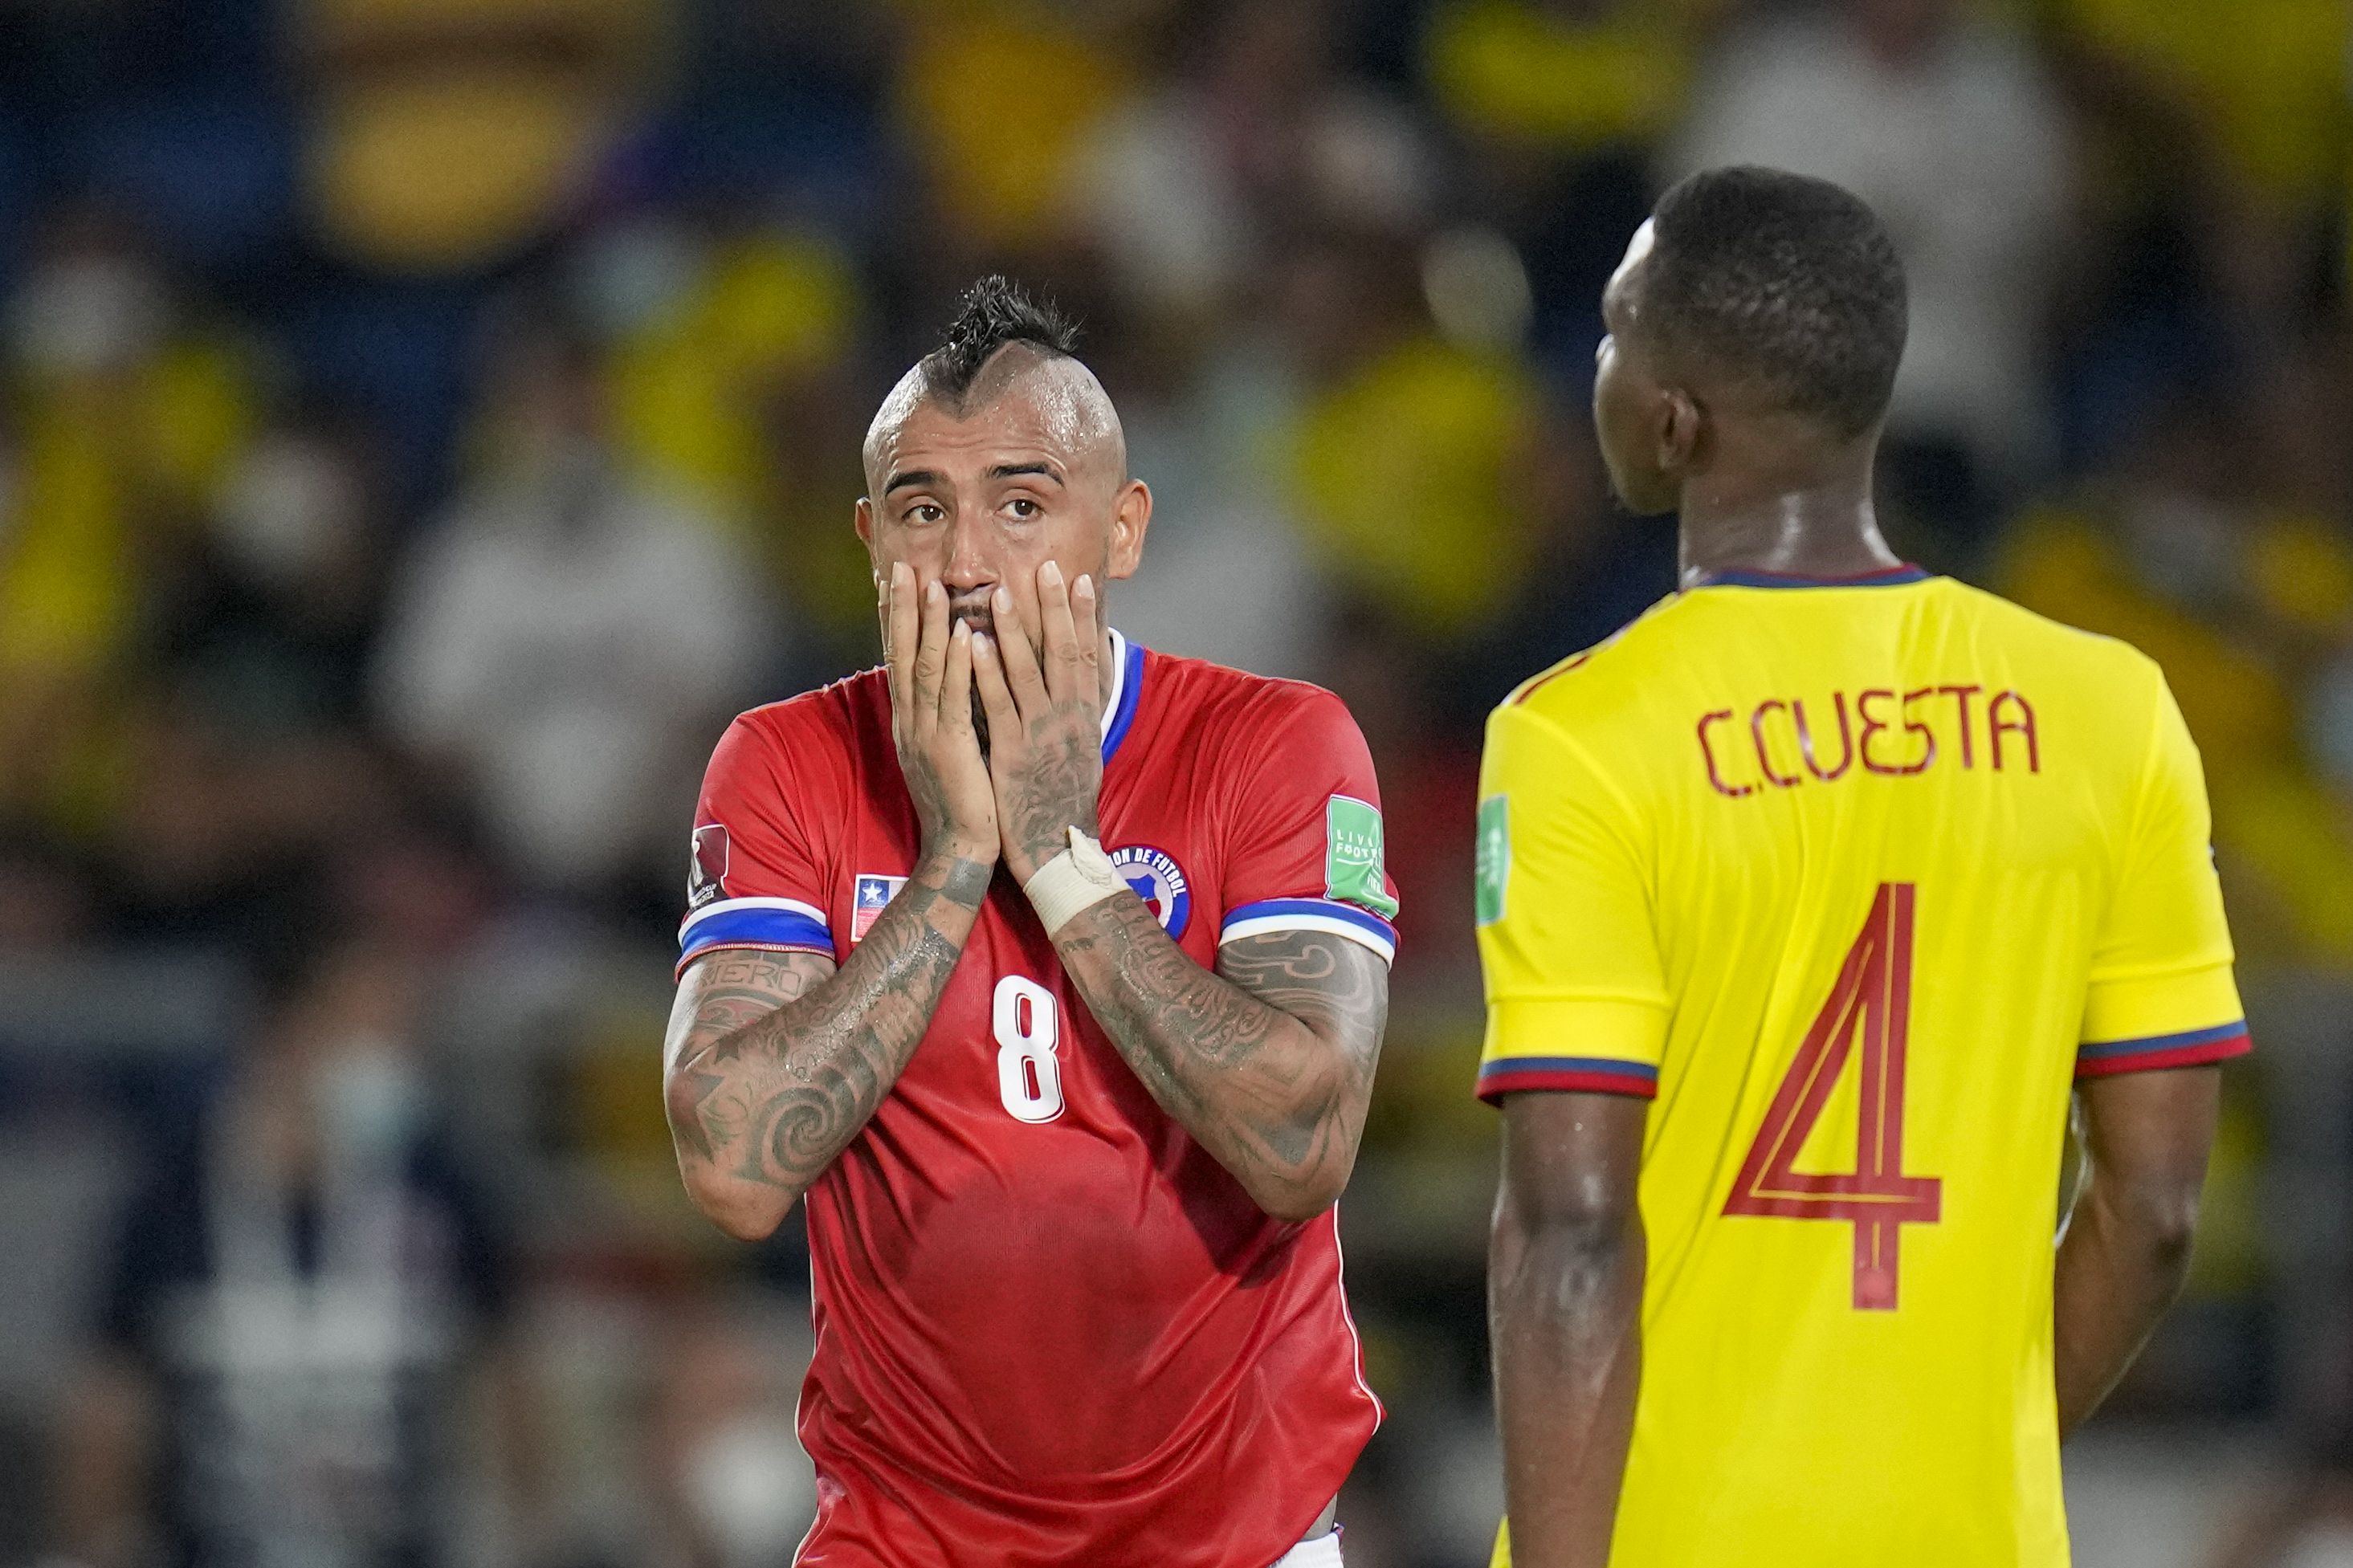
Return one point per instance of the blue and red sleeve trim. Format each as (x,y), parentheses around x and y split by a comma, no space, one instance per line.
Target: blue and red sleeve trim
(2190,1049)
(1310,914)
(1568,1075)
(777,925)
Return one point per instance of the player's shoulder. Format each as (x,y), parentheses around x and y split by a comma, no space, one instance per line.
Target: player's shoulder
(1595,679)
(1203,693)
(2110,663)
(1239,718)
(828,722)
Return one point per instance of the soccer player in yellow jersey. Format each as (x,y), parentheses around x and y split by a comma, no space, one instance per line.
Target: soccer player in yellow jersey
(1805,901)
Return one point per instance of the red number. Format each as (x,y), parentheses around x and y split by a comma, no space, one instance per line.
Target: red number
(1872,998)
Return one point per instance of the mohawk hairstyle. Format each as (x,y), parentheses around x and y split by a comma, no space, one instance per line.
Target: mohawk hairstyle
(994,312)
(1790,281)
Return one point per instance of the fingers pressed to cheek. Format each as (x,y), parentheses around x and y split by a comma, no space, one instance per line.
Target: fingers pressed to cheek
(1025,593)
(989,679)
(900,601)
(935,614)
(1057,638)
(1016,647)
(955,689)
(1087,628)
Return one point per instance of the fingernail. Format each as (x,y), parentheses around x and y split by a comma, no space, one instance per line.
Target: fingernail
(933,592)
(1085,587)
(1050,575)
(961,630)
(898,573)
(982,645)
(1004,598)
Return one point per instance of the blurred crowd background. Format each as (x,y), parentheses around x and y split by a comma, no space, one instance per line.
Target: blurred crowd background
(424,423)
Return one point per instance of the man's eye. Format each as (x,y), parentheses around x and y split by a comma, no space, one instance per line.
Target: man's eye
(924,511)
(1022,506)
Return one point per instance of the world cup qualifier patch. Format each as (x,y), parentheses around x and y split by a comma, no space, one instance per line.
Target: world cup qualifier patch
(1352,856)
(1494,862)
(706,869)
(1159,882)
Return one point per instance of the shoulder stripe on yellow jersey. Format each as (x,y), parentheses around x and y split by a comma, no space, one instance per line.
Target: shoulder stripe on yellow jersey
(1572,1074)
(1885,577)
(2191,1048)
(1554,673)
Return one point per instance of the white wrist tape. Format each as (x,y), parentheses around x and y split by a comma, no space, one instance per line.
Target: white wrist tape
(1078,878)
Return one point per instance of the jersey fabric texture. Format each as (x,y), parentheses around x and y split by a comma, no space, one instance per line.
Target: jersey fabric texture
(1050,1328)
(1853,878)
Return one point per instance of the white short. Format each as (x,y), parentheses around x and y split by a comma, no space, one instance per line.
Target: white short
(1323,1552)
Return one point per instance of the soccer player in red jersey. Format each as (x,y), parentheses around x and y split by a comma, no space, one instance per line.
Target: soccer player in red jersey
(1053,971)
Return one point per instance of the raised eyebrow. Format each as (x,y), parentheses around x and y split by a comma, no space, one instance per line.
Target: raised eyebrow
(1016,470)
(912,477)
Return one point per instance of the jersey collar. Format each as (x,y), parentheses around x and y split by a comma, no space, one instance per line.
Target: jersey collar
(1126,691)
(1885,577)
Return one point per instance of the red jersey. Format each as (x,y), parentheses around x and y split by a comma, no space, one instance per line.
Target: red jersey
(1050,1328)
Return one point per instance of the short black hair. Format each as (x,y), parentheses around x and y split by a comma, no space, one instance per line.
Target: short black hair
(1789,280)
(995,312)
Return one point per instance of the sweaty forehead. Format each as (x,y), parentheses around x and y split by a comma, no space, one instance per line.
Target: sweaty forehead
(1022,402)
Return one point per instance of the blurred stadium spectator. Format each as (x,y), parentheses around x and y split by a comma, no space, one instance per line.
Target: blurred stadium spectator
(567,631)
(301,1297)
(1956,135)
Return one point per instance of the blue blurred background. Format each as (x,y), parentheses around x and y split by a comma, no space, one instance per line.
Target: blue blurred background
(424,423)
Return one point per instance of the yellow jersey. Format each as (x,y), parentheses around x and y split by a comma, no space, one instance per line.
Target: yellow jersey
(1853,878)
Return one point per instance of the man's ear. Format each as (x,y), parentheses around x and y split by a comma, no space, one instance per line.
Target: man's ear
(862,520)
(1131,520)
(1680,423)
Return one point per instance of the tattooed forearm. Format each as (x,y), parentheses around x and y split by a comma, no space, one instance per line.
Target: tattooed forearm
(776,1060)
(1267,1063)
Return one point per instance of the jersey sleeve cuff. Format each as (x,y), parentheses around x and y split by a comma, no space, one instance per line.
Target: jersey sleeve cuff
(1567,1075)
(2149,1053)
(1329,915)
(785,925)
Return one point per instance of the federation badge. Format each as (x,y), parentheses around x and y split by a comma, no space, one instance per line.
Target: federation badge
(706,871)
(1159,882)
(867,901)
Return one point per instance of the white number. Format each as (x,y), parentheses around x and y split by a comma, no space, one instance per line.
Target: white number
(1029,1075)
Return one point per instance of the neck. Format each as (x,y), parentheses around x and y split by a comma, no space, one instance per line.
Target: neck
(1803,518)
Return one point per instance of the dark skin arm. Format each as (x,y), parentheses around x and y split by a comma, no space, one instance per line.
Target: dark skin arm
(2146,1137)
(1564,1311)
(1268,1063)
(775,1062)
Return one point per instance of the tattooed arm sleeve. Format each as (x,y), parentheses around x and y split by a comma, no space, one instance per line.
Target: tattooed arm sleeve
(775,1060)
(1268,1063)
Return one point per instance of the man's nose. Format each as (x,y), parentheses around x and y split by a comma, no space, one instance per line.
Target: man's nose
(968,566)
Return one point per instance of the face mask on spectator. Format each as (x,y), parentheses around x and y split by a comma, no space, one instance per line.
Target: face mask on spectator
(559,469)
(88,315)
(286,512)
(634,277)
(368,1097)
